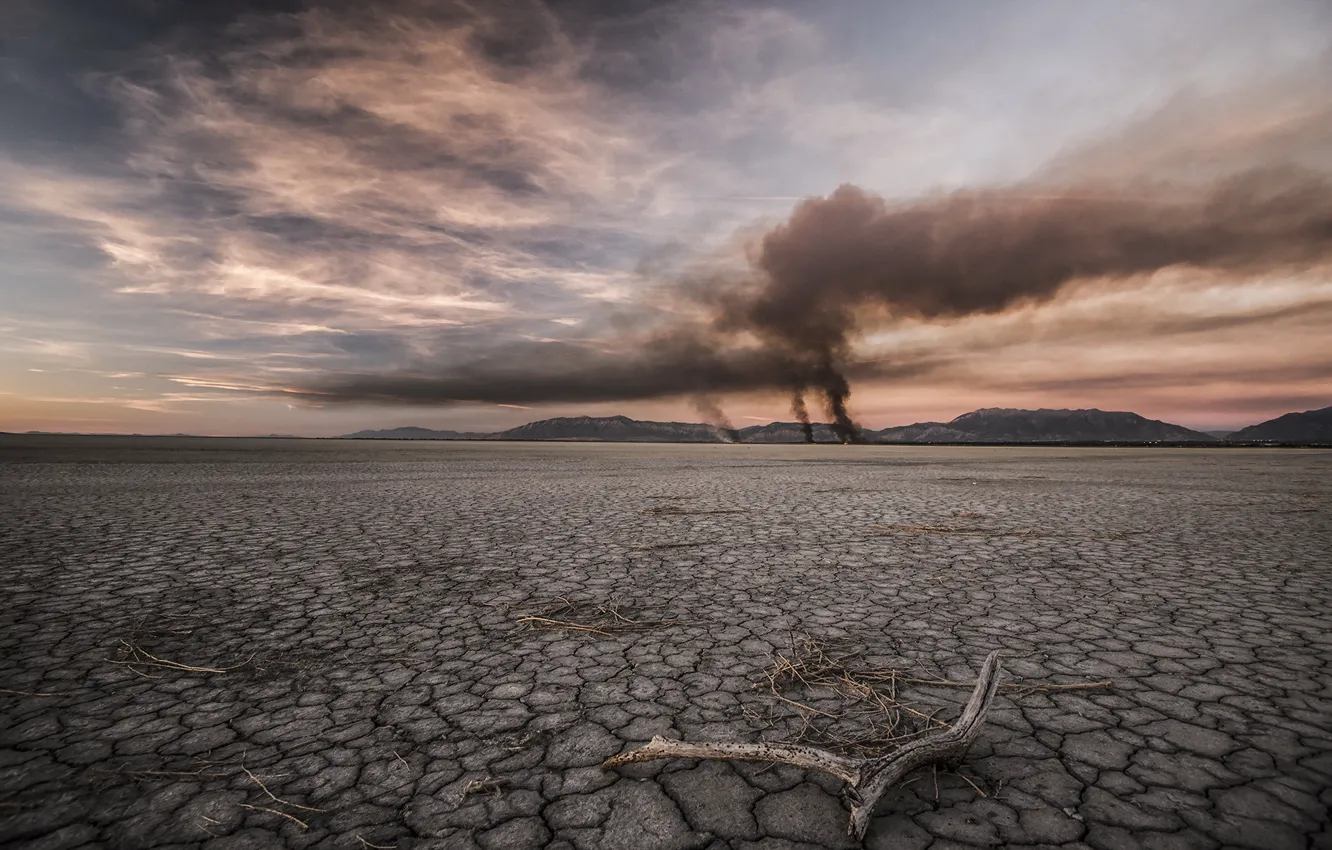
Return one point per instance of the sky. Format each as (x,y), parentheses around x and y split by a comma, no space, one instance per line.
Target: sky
(317,217)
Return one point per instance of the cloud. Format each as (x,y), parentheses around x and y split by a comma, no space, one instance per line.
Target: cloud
(390,172)
(525,203)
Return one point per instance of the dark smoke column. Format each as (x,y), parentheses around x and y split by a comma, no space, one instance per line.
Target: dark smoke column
(802,413)
(837,392)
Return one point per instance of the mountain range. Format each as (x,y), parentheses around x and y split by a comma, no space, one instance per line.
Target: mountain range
(989,425)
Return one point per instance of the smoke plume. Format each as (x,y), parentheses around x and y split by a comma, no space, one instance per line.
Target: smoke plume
(850,259)
(713,414)
(801,413)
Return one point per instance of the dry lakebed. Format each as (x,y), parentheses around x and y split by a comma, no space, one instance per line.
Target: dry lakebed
(229,643)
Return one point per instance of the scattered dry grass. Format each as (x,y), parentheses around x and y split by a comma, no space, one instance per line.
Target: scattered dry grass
(917,528)
(27,693)
(678,510)
(868,714)
(603,619)
(489,785)
(867,717)
(656,546)
(960,530)
(133,656)
(203,770)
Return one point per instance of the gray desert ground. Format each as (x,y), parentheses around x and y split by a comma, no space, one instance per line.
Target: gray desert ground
(281,643)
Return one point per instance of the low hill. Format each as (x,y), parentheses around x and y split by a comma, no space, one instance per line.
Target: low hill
(1008,425)
(786,432)
(1311,426)
(921,432)
(615,429)
(411,433)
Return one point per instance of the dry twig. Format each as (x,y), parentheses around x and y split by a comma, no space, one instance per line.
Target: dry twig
(302,824)
(139,657)
(275,798)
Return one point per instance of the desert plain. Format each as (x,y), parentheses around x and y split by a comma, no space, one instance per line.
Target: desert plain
(227,643)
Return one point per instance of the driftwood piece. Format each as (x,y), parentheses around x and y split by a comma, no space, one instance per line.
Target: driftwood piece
(866,778)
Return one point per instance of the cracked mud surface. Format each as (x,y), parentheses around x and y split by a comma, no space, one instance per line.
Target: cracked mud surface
(361,602)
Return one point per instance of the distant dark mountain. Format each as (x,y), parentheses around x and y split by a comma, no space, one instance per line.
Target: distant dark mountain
(411,434)
(1311,426)
(921,432)
(1220,435)
(1006,425)
(614,429)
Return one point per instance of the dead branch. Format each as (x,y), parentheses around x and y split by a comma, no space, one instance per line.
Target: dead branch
(867,778)
(811,758)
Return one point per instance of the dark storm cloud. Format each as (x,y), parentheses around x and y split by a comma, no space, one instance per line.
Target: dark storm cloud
(531,373)
(55,51)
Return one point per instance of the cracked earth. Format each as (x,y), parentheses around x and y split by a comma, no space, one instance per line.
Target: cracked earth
(253,644)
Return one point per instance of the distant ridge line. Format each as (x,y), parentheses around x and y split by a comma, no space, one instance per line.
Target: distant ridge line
(987,426)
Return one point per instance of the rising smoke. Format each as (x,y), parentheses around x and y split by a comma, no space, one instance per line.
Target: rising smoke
(851,261)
